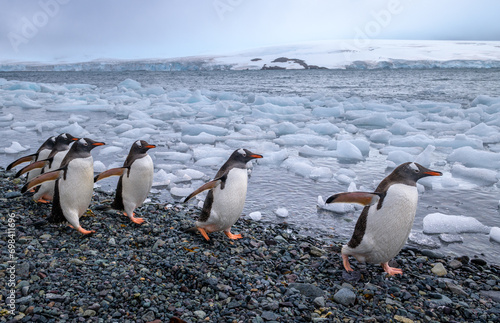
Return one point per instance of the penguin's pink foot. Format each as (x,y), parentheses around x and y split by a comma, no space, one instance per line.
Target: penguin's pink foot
(41,200)
(83,231)
(391,270)
(233,236)
(204,233)
(347,265)
(135,220)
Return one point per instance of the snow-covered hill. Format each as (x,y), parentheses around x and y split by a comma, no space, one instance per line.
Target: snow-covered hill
(338,54)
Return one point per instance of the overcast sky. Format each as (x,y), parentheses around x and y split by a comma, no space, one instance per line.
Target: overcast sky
(76,30)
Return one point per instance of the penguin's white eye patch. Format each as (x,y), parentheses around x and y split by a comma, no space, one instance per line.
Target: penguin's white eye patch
(242,152)
(138,143)
(414,167)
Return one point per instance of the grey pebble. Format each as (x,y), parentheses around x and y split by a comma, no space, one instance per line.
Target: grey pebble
(345,296)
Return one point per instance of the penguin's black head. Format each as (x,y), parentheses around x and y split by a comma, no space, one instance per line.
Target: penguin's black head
(65,139)
(86,145)
(410,173)
(244,155)
(48,144)
(140,147)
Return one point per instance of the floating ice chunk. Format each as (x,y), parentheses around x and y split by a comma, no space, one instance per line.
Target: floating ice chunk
(425,157)
(399,157)
(192,173)
(143,133)
(24,86)
(324,128)
(210,161)
(161,178)
(110,150)
(129,84)
(423,240)
(99,167)
(172,155)
(281,212)
(284,128)
(7,118)
(478,175)
(484,99)
(76,130)
(202,138)
(321,174)
(402,127)
(450,238)
(79,107)
(307,151)
(326,112)
(256,216)
(15,148)
(26,103)
(488,134)
(380,136)
(181,191)
(78,118)
(419,140)
(447,181)
(376,119)
(196,129)
(77,86)
(442,223)
(460,140)
(298,165)
(363,146)
(339,208)
(122,128)
(347,150)
(196,97)
(274,158)
(495,234)
(301,140)
(475,158)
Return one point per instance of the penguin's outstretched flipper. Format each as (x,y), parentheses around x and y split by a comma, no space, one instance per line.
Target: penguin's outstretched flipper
(35,165)
(207,186)
(21,160)
(110,172)
(363,198)
(45,177)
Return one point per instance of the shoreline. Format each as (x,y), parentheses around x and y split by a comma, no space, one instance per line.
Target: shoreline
(151,272)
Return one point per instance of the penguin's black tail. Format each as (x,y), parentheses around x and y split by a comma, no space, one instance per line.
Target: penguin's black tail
(191,230)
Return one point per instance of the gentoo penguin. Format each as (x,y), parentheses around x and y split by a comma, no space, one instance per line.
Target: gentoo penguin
(53,161)
(74,184)
(387,218)
(42,153)
(226,198)
(136,179)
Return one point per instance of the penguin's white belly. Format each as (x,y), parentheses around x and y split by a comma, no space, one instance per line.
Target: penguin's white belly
(136,186)
(46,190)
(35,172)
(387,229)
(75,192)
(228,203)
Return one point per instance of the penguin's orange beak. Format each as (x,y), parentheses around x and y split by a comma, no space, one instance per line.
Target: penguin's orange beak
(98,144)
(150,146)
(256,156)
(433,173)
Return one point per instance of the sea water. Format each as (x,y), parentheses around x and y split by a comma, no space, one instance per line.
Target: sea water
(321,132)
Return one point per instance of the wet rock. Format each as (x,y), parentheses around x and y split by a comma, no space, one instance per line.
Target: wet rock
(439,269)
(345,296)
(307,290)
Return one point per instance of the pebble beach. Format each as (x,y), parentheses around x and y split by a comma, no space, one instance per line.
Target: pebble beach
(152,272)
